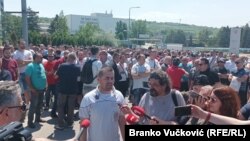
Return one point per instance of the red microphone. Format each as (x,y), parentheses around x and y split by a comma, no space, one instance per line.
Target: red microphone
(140,112)
(131,119)
(84,124)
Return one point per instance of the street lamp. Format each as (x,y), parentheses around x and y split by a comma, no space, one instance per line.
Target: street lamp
(129,20)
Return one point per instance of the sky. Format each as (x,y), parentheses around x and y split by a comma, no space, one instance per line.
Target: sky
(212,13)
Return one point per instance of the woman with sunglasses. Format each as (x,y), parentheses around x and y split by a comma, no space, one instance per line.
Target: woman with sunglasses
(223,101)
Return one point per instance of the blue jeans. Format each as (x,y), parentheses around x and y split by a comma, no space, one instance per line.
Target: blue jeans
(22,82)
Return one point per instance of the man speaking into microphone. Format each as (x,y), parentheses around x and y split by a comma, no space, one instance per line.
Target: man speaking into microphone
(102,107)
(158,105)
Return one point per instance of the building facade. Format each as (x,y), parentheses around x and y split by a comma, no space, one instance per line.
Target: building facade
(104,20)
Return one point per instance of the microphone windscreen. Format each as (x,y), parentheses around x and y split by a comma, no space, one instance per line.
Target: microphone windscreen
(138,111)
(131,119)
(85,123)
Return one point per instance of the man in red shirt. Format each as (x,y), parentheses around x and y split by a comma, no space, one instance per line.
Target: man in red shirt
(51,80)
(10,64)
(175,73)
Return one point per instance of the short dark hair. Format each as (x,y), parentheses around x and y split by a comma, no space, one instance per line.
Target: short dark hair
(94,50)
(201,80)
(176,61)
(163,79)
(36,54)
(105,69)
(205,60)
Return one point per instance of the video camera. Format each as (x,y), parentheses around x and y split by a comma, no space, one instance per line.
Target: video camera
(14,131)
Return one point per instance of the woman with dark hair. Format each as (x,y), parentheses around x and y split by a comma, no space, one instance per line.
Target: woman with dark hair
(223,101)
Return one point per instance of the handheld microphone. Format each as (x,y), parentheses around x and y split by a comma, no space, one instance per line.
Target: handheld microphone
(140,112)
(131,119)
(84,124)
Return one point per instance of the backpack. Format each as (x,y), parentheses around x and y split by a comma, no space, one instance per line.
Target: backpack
(87,76)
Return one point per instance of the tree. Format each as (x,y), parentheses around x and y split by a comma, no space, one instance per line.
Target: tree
(190,41)
(121,30)
(176,37)
(245,36)
(138,27)
(34,37)
(203,36)
(11,28)
(33,21)
(223,37)
(85,36)
(59,29)
(58,24)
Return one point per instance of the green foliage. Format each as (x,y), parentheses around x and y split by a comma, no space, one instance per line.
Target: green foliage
(138,27)
(189,35)
(223,37)
(245,36)
(59,25)
(204,36)
(121,30)
(85,36)
(11,28)
(176,37)
(33,21)
(58,30)
(34,37)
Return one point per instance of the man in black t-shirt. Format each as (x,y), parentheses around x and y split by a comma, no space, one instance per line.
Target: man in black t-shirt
(67,73)
(213,77)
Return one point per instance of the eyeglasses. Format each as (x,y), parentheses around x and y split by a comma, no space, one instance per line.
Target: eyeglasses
(22,107)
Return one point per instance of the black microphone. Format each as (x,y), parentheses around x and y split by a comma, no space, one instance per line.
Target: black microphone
(141,113)
(84,124)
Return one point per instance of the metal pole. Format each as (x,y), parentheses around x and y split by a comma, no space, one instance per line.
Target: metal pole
(129,22)
(25,23)
(128,27)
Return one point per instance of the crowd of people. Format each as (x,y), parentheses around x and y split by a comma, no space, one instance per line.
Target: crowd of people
(52,78)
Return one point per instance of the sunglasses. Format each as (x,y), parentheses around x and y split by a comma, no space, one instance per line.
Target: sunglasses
(201,64)
(212,99)
(237,62)
(22,107)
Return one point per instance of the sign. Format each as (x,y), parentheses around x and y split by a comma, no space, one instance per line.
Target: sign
(234,46)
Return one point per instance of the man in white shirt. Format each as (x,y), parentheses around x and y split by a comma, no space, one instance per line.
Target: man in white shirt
(152,61)
(23,58)
(230,64)
(102,107)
